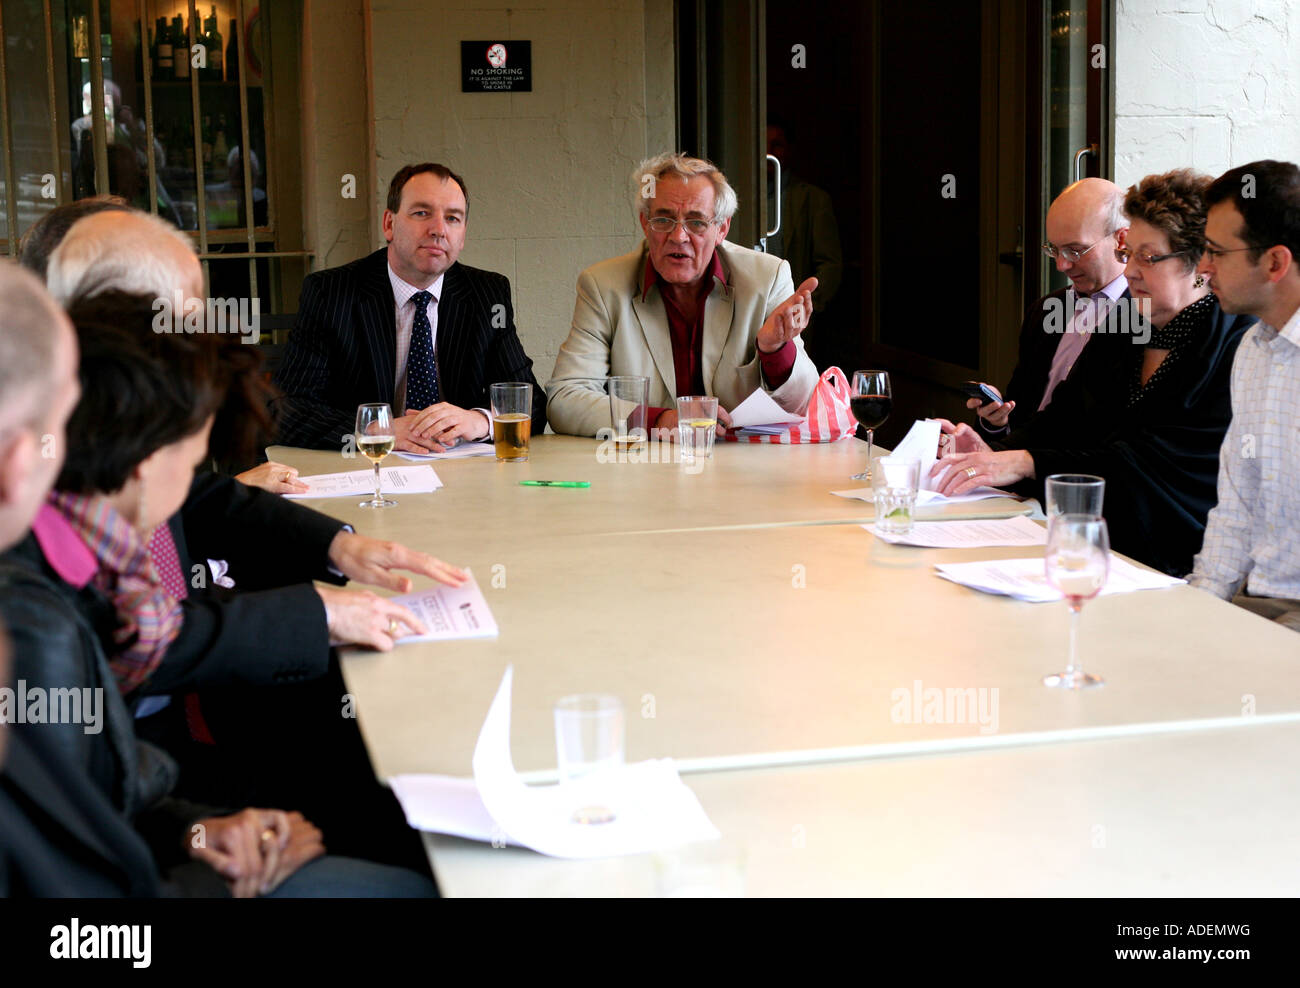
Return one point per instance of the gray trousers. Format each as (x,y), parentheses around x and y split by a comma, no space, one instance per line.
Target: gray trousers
(1279,609)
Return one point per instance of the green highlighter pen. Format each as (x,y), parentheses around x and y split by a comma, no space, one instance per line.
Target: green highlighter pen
(555,483)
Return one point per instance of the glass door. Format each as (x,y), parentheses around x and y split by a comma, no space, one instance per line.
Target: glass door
(1077,111)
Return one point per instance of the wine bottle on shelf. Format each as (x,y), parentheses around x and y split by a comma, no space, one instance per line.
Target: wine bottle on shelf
(197,35)
(180,48)
(163,65)
(202,38)
(232,54)
(215,48)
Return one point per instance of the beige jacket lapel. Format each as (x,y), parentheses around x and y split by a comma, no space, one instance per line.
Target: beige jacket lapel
(650,313)
(719,308)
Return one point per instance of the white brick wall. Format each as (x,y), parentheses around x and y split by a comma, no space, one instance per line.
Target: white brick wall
(1205,83)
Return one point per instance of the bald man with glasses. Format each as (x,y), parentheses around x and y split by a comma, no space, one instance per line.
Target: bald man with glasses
(1085,225)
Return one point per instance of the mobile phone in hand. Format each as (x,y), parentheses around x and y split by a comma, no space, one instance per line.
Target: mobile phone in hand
(974,389)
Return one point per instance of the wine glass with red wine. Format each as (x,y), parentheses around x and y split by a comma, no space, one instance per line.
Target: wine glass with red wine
(871,402)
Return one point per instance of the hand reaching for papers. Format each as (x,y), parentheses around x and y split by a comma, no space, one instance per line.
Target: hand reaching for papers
(966,462)
(358,617)
(960,439)
(274,477)
(967,471)
(788,319)
(373,561)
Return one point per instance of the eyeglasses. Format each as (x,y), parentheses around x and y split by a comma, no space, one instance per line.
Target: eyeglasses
(1071,254)
(666,224)
(1214,254)
(1144,260)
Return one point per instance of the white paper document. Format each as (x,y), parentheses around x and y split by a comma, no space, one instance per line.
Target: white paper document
(459,452)
(349,483)
(967,534)
(1025,579)
(760,414)
(653,808)
(924,498)
(444,804)
(450,612)
(922,443)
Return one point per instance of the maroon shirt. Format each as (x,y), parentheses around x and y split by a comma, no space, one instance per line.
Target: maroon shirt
(688,340)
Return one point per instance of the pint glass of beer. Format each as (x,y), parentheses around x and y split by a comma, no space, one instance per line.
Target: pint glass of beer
(512,420)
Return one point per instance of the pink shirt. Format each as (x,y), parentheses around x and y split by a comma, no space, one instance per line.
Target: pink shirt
(63,547)
(1086,318)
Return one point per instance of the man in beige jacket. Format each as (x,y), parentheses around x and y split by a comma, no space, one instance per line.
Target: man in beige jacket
(694,314)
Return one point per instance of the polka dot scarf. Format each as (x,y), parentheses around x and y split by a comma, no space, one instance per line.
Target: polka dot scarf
(1186,327)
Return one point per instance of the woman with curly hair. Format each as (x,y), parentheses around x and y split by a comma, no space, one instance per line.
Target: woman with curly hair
(1148,404)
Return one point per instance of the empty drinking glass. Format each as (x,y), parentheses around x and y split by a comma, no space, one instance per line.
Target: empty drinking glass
(1074,494)
(628,397)
(589,750)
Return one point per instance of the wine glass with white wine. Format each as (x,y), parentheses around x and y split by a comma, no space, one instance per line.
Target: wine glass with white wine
(375,439)
(1077,562)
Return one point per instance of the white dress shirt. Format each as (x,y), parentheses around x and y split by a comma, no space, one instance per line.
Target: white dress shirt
(1253,533)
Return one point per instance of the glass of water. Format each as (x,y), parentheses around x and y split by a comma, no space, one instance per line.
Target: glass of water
(894,483)
(1074,494)
(697,424)
(589,751)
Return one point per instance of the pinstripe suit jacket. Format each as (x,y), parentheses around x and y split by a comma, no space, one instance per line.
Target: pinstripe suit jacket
(343,349)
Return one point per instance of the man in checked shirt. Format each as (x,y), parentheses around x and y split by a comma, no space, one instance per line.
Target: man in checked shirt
(1251,551)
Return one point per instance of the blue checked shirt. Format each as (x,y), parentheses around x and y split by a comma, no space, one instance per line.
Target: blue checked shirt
(1253,533)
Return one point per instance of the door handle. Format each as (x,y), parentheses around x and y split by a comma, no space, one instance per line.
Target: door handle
(1079,155)
(776,229)
(1015,257)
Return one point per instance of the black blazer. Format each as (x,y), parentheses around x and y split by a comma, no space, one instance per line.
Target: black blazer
(343,350)
(1037,348)
(270,629)
(1160,457)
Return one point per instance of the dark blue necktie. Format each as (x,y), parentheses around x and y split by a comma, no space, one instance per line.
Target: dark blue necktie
(421,368)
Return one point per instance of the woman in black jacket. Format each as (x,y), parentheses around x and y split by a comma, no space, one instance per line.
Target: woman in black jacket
(1149,402)
(90,618)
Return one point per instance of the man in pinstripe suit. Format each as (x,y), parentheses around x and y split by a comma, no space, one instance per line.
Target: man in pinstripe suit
(407,325)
